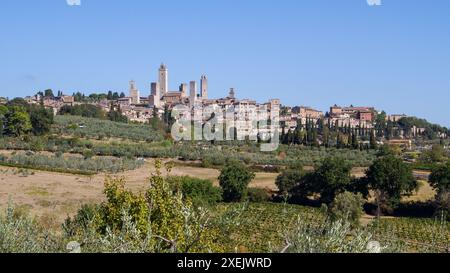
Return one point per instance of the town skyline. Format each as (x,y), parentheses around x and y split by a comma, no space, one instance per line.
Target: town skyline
(138,104)
(392,56)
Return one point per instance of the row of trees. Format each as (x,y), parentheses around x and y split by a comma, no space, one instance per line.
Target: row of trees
(18,118)
(332,134)
(316,133)
(389,178)
(93,111)
(94,97)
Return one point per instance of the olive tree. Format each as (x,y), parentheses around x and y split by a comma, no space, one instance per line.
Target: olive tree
(390,178)
(440,181)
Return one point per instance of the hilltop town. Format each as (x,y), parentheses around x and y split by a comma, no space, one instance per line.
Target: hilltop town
(352,120)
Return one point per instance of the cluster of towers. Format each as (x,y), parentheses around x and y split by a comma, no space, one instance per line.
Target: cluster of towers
(161,94)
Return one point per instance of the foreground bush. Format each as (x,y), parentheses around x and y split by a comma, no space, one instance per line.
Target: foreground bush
(20,234)
(330,237)
(347,206)
(158,220)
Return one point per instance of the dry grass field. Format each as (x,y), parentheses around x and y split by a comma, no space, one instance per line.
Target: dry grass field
(54,196)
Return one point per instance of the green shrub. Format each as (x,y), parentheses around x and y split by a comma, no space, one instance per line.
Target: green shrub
(348,207)
(234,179)
(200,192)
(257,195)
(87,154)
(20,234)
(81,221)
(288,179)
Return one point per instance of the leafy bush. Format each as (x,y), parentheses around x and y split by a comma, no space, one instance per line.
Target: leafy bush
(347,206)
(81,221)
(332,177)
(288,179)
(200,192)
(20,234)
(257,195)
(157,221)
(234,179)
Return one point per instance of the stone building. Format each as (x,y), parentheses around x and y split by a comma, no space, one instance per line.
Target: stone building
(134,93)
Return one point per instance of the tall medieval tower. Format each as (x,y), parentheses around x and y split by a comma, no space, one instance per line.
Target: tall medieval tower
(163,80)
(192,93)
(134,93)
(204,87)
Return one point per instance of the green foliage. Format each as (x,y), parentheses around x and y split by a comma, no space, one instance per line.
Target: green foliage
(81,222)
(288,179)
(440,178)
(41,120)
(413,234)
(347,206)
(332,177)
(255,228)
(17,102)
(95,128)
(19,118)
(117,116)
(84,110)
(390,178)
(234,179)
(440,181)
(20,234)
(431,130)
(120,200)
(327,237)
(435,155)
(70,163)
(199,191)
(49,93)
(259,227)
(17,122)
(159,220)
(257,195)
(3,111)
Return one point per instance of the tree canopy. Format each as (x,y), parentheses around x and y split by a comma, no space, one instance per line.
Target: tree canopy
(390,178)
(234,179)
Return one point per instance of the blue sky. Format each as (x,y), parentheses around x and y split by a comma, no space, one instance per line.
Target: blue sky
(395,56)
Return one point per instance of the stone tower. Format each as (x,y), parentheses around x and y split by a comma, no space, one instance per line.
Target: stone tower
(134,93)
(204,87)
(155,97)
(193,92)
(183,90)
(163,80)
(232,94)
